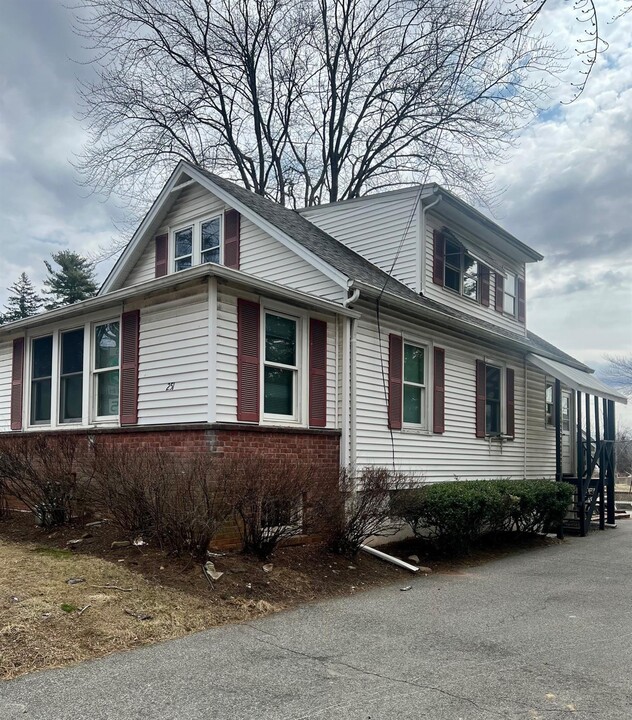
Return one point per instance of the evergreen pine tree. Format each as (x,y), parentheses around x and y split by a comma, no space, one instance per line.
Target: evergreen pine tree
(74,281)
(23,301)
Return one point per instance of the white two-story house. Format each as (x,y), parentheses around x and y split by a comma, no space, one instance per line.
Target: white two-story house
(386,330)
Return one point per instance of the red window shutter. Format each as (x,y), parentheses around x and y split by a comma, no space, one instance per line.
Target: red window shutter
(395,367)
(483,279)
(480,398)
(317,373)
(438,263)
(162,255)
(438,394)
(248,324)
(130,327)
(232,222)
(500,292)
(509,393)
(521,301)
(17,384)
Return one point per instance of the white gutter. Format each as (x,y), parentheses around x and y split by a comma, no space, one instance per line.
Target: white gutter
(175,281)
(450,322)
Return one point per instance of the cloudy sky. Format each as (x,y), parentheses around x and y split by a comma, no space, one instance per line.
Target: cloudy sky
(567,186)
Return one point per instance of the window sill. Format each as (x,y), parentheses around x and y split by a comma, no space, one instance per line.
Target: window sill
(412,430)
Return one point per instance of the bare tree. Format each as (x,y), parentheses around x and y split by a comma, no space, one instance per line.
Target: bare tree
(619,372)
(309,101)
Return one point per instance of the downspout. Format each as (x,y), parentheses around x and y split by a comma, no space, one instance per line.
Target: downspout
(349,386)
(526,415)
(421,244)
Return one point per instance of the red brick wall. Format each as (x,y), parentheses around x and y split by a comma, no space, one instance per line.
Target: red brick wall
(321,447)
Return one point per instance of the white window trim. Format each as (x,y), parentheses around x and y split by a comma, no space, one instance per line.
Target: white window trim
(95,418)
(301,375)
(427,347)
(28,365)
(502,366)
(65,423)
(513,296)
(196,240)
(549,381)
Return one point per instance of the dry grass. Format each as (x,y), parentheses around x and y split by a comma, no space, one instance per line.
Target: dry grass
(36,633)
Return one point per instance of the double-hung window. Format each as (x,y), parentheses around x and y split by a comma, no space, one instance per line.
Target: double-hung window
(210,241)
(71,376)
(493,394)
(280,370)
(183,244)
(41,379)
(414,386)
(106,369)
(460,270)
(509,297)
(549,404)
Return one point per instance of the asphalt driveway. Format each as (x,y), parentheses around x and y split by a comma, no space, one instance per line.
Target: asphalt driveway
(543,634)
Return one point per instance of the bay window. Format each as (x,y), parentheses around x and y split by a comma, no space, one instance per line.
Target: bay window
(106,369)
(280,370)
(71,376)
(41,379)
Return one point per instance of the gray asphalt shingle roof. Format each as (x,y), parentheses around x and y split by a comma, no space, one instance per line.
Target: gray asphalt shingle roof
(358,268)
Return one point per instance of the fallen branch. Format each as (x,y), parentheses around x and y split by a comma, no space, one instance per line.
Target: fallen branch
(112,587)
(83,609)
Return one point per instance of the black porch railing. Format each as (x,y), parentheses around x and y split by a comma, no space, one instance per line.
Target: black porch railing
(594,478)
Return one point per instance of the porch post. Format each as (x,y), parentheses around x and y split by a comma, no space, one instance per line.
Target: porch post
(599,453)
(581,488)
(610,477)
(558,430)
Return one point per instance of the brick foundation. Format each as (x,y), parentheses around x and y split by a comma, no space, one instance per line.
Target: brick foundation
(320,447)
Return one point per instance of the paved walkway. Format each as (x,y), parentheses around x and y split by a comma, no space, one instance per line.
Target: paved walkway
(544,634)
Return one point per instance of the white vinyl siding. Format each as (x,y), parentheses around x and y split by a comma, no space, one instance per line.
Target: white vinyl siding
(457,453)
(6,363)
(267,258)
(460,302)
(261,254)
(226,348)
(540,437)
(173,382)
(145,268)
(378,227)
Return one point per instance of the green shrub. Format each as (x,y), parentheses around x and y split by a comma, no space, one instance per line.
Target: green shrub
(454,515)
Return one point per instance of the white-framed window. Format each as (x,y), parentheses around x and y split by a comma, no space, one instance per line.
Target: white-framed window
(460,270)
(106,369)
(509,297)
(493,400)
(414,385)
(549,403)
(566,412)
(183,248)
(71,348)
(281,362)
(41,380)
(197,243)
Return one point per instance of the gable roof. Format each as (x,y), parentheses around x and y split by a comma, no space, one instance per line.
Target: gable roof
(340,260)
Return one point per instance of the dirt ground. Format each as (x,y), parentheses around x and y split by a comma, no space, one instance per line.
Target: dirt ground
(64,602)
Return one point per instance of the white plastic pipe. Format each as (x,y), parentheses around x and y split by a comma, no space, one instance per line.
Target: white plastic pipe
(389,558)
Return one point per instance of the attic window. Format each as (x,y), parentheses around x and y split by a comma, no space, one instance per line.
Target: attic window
(209,241)
(183,248)
(460,270)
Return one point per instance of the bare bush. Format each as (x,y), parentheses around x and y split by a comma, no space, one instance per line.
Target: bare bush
(179,500)
(44,473)
(363,508)
(273,500)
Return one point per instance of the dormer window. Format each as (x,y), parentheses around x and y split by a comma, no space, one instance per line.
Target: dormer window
(460,270)
(197,243)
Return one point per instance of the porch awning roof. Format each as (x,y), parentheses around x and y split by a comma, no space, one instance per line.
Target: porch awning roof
(576,379)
